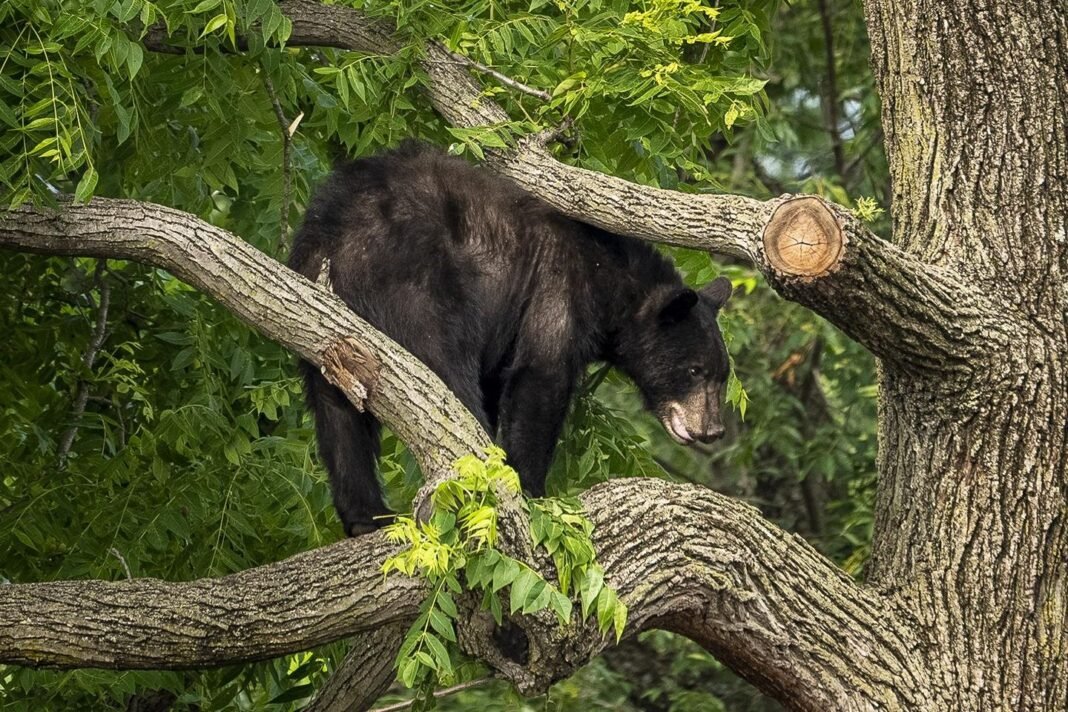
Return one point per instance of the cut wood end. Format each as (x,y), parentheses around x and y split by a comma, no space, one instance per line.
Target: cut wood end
(803,239)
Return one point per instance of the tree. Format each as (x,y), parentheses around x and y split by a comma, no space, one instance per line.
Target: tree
(964,602)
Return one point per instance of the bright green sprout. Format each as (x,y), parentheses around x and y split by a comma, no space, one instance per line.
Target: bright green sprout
(459,540)
(867,209)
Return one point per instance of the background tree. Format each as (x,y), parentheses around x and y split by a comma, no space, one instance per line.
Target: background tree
(150,434)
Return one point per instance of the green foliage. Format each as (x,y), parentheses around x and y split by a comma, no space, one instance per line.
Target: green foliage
(80,98)
(191,460)
(458,543)
(598,442)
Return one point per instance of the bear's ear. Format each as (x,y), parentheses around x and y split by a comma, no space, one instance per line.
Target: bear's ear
(677,306)
(717,292)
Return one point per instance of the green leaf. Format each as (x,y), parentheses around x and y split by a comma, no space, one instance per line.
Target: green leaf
(86,186)
(619,619)
(408,672)
(504,573)
(204,6)
(606,603)
(447,605)
(493,602)
(590,588)
(521,589)
(442,625)
(293,694)
(214,24)
(538,598)
(134,59)
(441,655)
(561,606)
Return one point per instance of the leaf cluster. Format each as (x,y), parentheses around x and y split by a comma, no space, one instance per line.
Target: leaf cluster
(457,544)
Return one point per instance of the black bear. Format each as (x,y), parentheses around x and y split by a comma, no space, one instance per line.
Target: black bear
(507,300)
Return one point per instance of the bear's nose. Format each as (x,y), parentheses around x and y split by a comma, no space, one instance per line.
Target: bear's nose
(714,432)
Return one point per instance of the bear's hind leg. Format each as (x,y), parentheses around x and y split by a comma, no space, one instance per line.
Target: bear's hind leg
(349,443)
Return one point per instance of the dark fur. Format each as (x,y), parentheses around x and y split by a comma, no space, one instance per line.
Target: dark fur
(503,297)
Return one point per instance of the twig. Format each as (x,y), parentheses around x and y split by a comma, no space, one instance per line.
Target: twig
(287,130)
(437,693)
(812,399)
(503,79)
(88,358)
(700,60)
(126,567)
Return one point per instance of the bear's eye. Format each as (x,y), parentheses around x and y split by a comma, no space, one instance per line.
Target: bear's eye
(696,372)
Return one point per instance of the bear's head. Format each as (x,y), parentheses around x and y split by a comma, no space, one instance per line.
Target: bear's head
(677,358)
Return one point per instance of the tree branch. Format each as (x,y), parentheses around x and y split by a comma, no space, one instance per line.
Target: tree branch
(366,672)
(830,90)
(503,79)
(100,329)
(908,313)
(310,599)
(911,314)
(304,317)
(438,694)
(681,557)
(285,128)
(762,600)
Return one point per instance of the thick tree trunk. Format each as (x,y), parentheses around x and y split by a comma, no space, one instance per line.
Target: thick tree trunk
(970,532)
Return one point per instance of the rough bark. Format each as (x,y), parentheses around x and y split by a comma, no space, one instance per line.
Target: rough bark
(681,557)
(973,496)
(307,600)
(365,674)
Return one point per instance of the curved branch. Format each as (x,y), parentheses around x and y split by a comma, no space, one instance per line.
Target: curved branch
(310,599)
(681,557)
(762,600)
(909,313)
(304,317)
(366,672)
